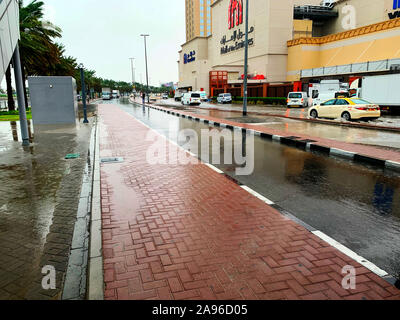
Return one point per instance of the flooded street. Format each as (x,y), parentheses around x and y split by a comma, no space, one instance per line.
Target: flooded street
(39,193)
(357,205)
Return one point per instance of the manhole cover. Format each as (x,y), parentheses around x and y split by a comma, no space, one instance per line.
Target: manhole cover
(72,156)
(112,160)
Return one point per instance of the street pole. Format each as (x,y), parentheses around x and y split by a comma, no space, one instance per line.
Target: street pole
(147,74)
(133,72)
(85,120)
(246,58)
(19,83)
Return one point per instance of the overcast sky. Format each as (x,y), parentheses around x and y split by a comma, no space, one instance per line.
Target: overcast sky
(104,34)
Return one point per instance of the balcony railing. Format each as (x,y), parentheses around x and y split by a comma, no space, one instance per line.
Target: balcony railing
(354,68)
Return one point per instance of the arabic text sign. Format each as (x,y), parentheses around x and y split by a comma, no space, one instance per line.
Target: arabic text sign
(236,41)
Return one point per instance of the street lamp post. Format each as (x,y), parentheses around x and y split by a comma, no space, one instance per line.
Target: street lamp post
(147,74)
(133,72)
(85,120)
(246,58)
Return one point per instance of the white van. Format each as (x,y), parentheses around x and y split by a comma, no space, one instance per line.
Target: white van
(297,99)
(191,98)
(324,96)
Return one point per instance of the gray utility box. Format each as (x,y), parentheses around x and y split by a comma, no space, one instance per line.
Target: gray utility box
(53,100)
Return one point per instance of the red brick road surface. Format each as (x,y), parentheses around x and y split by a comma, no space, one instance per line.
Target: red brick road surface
(187,232)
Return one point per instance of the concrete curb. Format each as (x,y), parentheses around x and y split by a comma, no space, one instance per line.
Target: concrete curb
(307,145)
(96,278)
(75,285)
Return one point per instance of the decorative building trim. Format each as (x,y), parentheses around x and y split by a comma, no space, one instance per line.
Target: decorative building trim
(377,27)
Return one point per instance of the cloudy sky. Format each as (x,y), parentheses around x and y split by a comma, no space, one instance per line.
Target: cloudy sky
(104,34)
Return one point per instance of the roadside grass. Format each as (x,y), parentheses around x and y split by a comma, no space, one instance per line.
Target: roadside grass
(14,117)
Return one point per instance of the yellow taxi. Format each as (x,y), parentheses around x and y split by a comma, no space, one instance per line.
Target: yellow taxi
(345,108)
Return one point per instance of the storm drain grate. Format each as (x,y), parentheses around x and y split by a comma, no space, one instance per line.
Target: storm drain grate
(72,156)
(112,160)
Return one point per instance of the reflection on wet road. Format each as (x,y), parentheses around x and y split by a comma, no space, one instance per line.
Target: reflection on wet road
(356,205)
(32,184)
(345,134)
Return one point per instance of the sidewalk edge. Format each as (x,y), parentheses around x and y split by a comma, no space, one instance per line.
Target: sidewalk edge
(96,278)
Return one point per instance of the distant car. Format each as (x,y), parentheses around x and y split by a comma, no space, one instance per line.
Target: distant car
(153,97)
(191,98)
(203,96)
(79,97)
(297,99)
(345,108)
(178,95)
(224,98)
(165,96)
(106,96)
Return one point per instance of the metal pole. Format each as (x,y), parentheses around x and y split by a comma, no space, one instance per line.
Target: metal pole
(85,120)
(133,72)
(20,95)
(246,58)
(147,74)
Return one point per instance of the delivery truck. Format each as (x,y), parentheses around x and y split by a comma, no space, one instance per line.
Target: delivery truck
(106,93)
(115,94)
(382,90)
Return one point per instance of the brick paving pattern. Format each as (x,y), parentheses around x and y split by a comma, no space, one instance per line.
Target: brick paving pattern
(42,194)
(187,232)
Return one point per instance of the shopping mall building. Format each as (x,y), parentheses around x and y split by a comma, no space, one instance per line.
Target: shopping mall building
(292,43)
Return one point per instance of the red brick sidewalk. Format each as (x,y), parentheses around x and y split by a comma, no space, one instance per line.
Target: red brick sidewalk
(187,232)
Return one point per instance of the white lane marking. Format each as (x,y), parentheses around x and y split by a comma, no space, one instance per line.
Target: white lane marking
(369,265)
(257,195)
(392,164)
(214,168)
(342,153)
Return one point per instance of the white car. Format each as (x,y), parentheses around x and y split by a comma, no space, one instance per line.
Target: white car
(297,99)
(191,98)
(224,98)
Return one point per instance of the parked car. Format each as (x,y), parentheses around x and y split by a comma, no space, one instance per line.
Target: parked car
(224,98)
(345,108)
(165,96)
(79,97)
(203,96)
(297,99)
(191,98)
(178,95)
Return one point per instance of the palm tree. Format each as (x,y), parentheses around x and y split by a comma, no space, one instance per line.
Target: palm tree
(39,55)
(10,97)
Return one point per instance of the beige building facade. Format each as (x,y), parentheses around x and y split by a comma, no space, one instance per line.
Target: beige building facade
(270,25)
(198,18)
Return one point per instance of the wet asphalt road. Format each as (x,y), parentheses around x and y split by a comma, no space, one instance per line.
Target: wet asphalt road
(378,138)
(384,120)
(357,205)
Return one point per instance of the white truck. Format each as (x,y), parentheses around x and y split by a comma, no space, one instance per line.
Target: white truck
(115,94)
(106,93)
(327,89)
(382,90)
